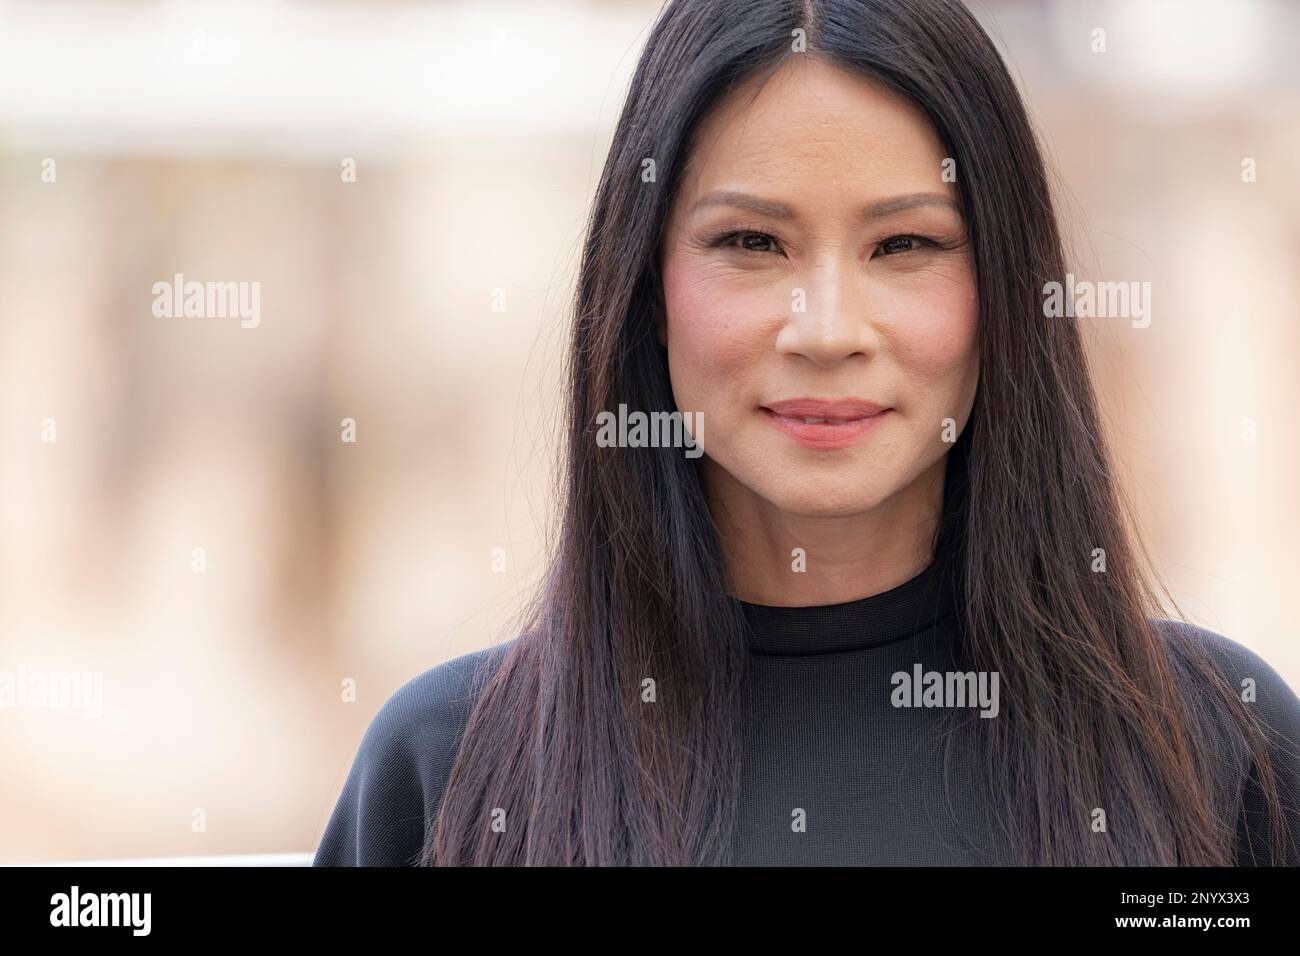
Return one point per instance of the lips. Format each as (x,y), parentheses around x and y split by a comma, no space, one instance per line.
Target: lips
(826,424)
(839,410)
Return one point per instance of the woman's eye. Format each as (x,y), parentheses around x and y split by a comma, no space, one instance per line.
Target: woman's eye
(897,244)
(749,241)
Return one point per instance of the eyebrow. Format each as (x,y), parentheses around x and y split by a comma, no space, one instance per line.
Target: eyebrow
(766,207)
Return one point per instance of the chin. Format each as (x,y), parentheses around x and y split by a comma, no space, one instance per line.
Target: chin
(821,498)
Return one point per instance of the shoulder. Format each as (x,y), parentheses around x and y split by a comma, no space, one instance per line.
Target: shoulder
(401,767)
(1251,677)
(418,717)
(1274,704)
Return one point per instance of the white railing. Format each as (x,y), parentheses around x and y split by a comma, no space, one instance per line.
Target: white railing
(227,859)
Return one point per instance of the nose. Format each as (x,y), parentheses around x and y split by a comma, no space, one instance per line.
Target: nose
(829,318)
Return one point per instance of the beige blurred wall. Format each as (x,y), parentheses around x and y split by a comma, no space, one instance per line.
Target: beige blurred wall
(218,154)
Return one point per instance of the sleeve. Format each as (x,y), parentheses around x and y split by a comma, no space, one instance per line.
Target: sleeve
(1279,711)
(379,818)
(395,787)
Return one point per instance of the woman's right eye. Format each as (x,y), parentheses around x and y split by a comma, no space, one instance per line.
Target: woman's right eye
(749,241)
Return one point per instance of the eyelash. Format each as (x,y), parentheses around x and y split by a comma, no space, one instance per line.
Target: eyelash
(726,238)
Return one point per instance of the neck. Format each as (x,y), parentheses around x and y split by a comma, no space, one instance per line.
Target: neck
(845,557)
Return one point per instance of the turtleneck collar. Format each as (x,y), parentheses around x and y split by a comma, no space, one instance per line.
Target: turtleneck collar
(911,607)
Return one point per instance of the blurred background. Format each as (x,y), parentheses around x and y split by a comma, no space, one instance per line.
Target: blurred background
(225,523)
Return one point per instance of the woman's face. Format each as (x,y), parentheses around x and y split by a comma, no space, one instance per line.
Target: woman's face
(814,254)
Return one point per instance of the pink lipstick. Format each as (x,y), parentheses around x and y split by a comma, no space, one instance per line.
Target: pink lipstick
(825,424)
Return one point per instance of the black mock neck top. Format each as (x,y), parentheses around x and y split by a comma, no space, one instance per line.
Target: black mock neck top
(835,773)
(919,605)
(845,762)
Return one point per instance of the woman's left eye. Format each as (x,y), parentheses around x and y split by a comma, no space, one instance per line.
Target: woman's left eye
(896,244)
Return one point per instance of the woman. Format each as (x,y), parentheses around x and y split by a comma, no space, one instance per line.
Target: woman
(891,615)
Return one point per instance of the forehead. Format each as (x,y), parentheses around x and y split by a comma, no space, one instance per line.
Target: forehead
(814,123)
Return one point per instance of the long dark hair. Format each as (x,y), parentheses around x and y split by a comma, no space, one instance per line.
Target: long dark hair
(562,754)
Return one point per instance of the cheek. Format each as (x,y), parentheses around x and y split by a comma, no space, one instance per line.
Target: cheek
(933,337)
(712,333)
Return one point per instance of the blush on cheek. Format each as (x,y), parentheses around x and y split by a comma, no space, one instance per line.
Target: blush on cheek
(710,328)
(934,335)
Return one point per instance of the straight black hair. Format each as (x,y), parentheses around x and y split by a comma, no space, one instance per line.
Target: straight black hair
(562,764)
